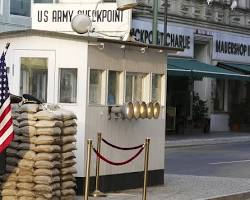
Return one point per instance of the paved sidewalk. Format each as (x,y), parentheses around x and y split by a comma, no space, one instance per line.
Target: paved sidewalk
(185,187)
(206,139)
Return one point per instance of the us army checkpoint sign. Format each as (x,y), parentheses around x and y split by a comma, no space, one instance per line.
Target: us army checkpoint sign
(105,17)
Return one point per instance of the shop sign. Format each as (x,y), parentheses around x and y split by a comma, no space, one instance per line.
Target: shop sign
(104,16)
(229,47)
(177,36)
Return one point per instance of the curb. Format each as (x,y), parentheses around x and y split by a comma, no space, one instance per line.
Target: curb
(234,196)
(199,142)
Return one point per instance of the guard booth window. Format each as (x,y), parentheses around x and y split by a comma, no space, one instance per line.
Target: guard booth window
(96,79)
(156,87)
(134,87)
(113,87)
(68,85)
(34,77)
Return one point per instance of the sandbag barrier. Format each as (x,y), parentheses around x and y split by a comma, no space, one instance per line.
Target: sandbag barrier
(97,192)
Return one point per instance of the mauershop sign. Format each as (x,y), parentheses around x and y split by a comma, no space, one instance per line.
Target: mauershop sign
(177,36)
(231,47)
(104,16)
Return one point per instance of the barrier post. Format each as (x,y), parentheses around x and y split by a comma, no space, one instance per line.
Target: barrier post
(87,170)
(144,194)
(97,192)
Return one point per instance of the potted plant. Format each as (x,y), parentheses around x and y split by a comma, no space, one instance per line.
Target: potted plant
(199,115)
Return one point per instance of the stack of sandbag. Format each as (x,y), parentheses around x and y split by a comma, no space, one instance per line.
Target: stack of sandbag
(26,151)
(68,170)
(9,179)
(48,158)
(40,160)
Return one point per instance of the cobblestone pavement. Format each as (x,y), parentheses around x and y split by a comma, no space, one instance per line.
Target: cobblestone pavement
(184,187)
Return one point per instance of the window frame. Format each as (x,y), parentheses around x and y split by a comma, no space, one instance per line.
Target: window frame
(18,15)
(103,87)
(144,89)
(59,85)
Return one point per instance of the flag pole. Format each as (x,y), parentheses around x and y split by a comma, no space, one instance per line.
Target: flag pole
(6,48)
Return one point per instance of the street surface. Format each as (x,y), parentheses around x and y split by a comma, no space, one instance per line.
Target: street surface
(221,160)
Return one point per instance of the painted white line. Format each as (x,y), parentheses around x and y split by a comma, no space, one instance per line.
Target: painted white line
(229,162)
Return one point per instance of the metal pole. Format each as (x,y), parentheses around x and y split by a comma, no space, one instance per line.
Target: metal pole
(155,21)
(165,22)
(147,142)
(97,192)
(87,172)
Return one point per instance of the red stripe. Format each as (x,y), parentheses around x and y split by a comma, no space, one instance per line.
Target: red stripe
(6,127)
(5,112)
(6,143)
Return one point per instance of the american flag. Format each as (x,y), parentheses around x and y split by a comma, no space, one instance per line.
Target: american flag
(6,122)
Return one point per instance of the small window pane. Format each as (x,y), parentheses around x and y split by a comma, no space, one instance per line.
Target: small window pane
(129,85)
(113,87)
(156,87)
(68,85)
(34,77)
(95,86)
(20,7)
(134,87)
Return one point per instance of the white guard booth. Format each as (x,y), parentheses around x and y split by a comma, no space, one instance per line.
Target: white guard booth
(81,74)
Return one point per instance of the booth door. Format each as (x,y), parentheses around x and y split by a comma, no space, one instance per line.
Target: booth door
(34,73)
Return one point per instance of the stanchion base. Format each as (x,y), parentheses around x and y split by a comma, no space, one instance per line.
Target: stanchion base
(97,193)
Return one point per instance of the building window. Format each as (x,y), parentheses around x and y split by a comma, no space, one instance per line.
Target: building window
(113,88)
(156,87)
(95,86)
(134,87)
(20,7)
(68,85)
(219,95)
(43,1)
(34,77)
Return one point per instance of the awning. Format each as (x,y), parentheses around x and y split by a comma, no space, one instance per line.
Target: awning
(242,68)
(197,70)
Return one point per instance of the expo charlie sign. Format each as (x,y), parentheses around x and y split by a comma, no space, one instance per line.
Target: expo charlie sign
(105,17)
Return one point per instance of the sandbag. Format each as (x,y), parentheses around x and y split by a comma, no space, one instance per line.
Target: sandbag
(48,115)
(46,172)
(66,114)
(70,122)
(25,179)
(68,139)
(12,161)
(68,192)
(68,155)
(68,170)
(46,180)
(30,108)
(25,193)
(68,177)
(26,146)
(47,156)
(68,147)
(10,168)
(27,123)
(68,185)
(68,163)
(25,171)
(70,130)
(9,197)
(29,164)
(56,131)
(28,131)
(46,139)
(9,185)
(25,186)
(48,124)
(8,192)
(9,177)
(29,155)
(11,152)
(26,116)
(47,164)
(47,149)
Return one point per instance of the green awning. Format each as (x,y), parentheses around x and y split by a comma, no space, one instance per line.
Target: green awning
(243,68)
(196,69)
